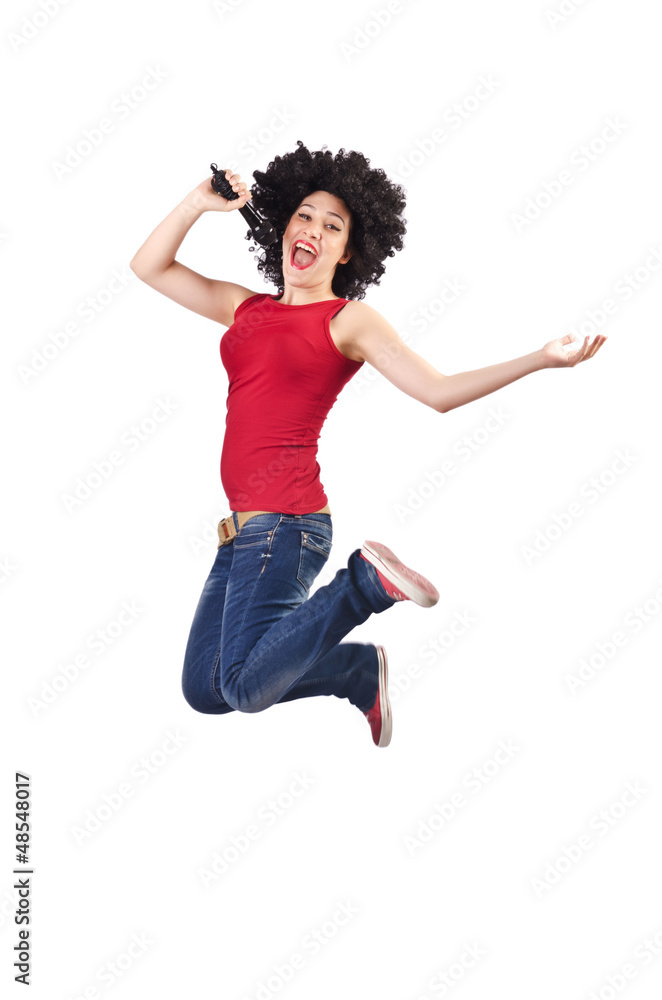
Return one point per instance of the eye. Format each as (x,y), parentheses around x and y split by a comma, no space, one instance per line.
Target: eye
(303,215)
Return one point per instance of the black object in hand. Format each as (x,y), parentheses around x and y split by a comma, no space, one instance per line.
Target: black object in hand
(262,231)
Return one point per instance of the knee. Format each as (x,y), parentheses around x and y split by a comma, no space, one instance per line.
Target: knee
(207,705)
(194,701)
(240,702)
(190,692)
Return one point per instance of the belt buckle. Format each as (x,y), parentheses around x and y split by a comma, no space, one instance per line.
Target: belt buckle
(226,531)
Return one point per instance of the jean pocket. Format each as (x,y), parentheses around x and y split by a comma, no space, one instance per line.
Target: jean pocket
(314,550)
(249,539)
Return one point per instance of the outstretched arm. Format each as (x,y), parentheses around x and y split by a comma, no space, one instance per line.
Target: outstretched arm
(380,346)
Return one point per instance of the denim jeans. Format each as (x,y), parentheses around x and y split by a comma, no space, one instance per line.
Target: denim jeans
(259,638)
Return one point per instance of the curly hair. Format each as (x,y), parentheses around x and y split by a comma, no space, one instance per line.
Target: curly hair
(375,203)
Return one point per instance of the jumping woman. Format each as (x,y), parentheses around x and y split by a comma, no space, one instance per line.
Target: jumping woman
(258,636)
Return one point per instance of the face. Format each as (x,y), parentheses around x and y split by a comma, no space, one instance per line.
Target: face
(322,222)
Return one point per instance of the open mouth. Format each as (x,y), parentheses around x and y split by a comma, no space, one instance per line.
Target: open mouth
(303,255)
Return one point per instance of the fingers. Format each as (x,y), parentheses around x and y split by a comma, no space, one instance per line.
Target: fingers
(576,356)
(587,351)
(595,346)
(237,185)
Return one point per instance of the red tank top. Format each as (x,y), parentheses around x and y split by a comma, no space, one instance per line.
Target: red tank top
(285,373)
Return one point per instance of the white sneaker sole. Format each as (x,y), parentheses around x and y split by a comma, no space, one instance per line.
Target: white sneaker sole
(384,701)
(408,581)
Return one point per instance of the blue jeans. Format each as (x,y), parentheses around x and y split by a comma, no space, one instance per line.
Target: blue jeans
(258,638)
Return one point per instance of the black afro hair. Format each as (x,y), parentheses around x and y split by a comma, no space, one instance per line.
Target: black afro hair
(376,205)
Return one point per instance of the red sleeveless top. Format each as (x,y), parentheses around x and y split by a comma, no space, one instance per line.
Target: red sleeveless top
(285,374)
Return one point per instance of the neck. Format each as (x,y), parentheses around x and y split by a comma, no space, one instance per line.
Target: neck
(293,296)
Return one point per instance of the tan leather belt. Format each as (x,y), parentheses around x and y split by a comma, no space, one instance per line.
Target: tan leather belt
(227,530)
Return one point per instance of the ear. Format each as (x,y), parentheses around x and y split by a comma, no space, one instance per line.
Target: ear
(345,257)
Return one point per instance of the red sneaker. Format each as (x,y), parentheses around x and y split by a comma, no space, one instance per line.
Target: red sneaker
(379,716)
(398,580)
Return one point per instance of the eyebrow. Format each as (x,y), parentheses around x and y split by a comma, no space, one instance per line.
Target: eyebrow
(307,204)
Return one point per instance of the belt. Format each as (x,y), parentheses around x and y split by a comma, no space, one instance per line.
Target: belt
(227,530)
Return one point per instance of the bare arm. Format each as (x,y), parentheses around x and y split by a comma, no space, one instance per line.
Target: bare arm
(380,345)
(155,264)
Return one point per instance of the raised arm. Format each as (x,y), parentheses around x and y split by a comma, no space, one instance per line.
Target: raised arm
(155,263)
(379,345)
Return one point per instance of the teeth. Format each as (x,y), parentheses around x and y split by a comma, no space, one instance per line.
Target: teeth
(305,247)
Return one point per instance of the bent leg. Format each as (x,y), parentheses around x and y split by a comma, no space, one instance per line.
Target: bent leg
(278,642)
(349,670)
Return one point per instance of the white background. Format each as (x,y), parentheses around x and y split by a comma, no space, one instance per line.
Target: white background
(493,877)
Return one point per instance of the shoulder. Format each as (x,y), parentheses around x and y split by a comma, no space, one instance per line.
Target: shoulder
(361,314)
(359,324)
(240,294)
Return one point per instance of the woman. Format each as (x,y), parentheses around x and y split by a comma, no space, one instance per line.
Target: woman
(257,637)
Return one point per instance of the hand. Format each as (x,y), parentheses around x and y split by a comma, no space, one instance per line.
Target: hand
(205,199)
(554,354)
